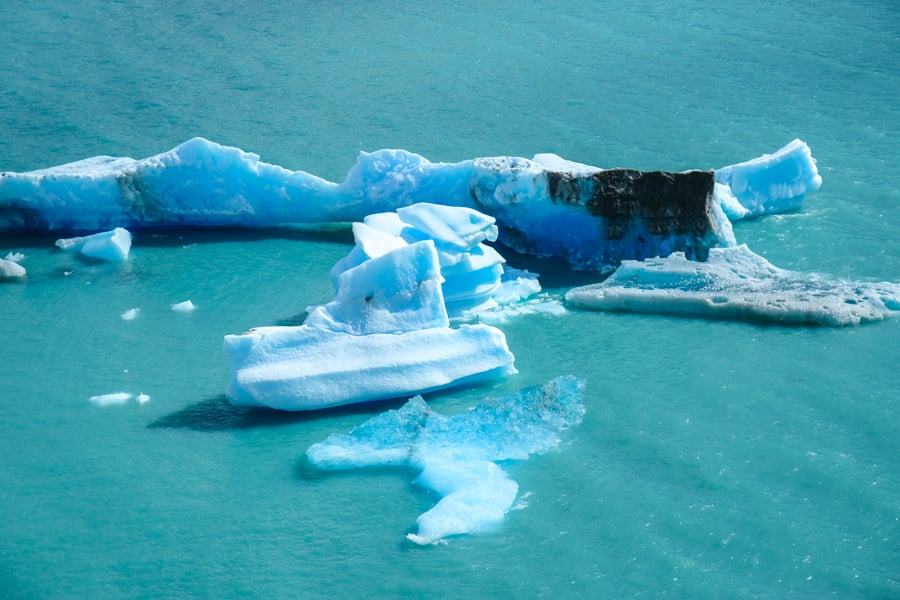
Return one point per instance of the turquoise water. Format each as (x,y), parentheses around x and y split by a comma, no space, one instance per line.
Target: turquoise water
(715,459)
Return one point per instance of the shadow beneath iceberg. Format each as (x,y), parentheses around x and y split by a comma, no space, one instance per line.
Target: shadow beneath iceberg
(218,414)
(553,273)
(338,233)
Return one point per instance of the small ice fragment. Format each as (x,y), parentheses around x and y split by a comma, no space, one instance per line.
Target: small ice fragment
(143,398)
(110,399)
(186,306)
(15,257)
(130,314)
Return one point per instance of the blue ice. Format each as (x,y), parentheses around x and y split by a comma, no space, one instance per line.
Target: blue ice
(386,333)
(112,246)
(458,456)
(737,284)
(201,183)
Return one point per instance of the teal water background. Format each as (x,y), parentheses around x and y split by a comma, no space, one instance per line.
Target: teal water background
(715,459)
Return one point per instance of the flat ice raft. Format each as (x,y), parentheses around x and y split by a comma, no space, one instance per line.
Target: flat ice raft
(456,456)
(737,284)
(546,206)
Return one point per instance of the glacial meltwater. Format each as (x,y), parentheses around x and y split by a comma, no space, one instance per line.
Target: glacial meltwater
(716,457)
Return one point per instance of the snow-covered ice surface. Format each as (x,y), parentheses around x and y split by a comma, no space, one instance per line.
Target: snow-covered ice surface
(735,283)
(457,456)
(547,206)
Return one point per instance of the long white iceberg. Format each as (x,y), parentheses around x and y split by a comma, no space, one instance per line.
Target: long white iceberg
(456,456)
(546,206)
(386,334)
(737,284)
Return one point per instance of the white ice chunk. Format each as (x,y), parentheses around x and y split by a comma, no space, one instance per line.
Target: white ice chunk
(130,314)
(516,285)
(143,398)
(11,270)
(772,183)
(456,456)
(112,246)
(183,307)
(306,368)
(395,292)
(735,283)
(110,399)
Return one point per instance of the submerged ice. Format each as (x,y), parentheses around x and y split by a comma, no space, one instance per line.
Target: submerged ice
(735,283)
(457,456)
(387,332)
(547,206)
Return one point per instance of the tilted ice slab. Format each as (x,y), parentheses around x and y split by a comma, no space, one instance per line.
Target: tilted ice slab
(548,206)
(456,456)
(735,283)
(112,246)
(386,334)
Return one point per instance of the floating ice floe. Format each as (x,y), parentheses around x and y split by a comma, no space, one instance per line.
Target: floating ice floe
(183,307)
(130,314)
(118,398)
(10,269)
(735,283)
(546,206)
(112,246)
(386,333)
(457,456)
(110,399)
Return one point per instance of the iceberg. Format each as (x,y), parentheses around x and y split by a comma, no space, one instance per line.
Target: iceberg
(547,206)
(112,246)
(737,284)
(386,334)
(457,456)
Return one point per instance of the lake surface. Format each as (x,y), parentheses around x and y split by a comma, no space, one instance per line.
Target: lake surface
(715,459)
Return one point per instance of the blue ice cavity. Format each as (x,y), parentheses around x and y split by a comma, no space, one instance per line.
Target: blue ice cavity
(112,246)
(457,456)
(201,183)
(386,334)
(737,284)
